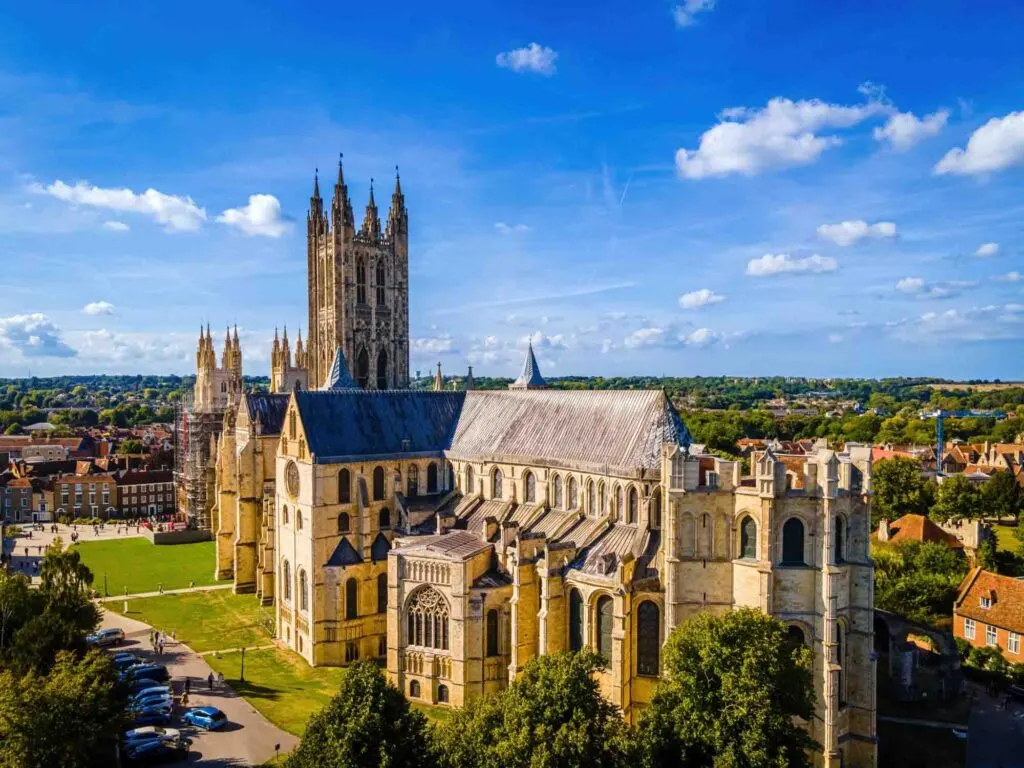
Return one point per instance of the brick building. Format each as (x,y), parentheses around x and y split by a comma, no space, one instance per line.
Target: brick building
(144,492)
(989,611)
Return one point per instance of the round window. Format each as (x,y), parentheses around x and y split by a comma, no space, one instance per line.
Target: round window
(291,479)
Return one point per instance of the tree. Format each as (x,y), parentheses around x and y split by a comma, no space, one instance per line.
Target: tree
(130,447)
(1001,496)
(551,716)
(367,724)
(732,690)
(899,489)
(918,580)
(68,717)
(957,498)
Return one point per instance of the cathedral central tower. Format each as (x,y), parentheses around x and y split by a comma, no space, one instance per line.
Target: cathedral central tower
(358,282)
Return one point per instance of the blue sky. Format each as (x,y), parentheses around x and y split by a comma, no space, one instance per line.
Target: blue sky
(732,187)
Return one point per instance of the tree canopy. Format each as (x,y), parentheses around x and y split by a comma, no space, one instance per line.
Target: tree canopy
(899,489)
(957,498)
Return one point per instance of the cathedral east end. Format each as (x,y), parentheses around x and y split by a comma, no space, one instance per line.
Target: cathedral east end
(455,535)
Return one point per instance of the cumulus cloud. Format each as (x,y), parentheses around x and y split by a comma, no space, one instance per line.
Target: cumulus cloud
(507,229)
(434,345)
(918,287)
(174,212)
(910,285)
(700,298)
(783,263)
(986,323)
(533,58)
(115,226)
(852,232)
(987,249)
(995,146)
(702,337)
(104,346)
(783,133)
(33,335)
(651,336)
(1010,277)
(99,308)
(261,217)
(684,13)
(904,129)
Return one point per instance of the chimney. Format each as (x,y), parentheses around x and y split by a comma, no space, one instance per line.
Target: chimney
(883,529)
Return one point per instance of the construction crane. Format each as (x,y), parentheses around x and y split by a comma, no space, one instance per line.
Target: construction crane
(939,415)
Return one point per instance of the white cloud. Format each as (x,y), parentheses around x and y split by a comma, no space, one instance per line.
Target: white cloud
(436,345)
(702,337)
(700,298)
(1010,277)
(99,308)
(116,226)
(104,346)
(533,58)
(175,213)
(783,263)
(262,216)
(607,345)
(542,341)
(34,336)
(987,249)
(910,285)
(917,286)
(507,229)
(783,133)
(904,129)
(649,337)
(852,232)
(975,324)
(685,12)
(996,145)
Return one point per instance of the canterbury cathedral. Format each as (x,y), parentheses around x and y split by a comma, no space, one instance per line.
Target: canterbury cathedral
(453,535)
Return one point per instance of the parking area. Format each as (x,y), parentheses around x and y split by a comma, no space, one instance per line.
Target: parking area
(248,739)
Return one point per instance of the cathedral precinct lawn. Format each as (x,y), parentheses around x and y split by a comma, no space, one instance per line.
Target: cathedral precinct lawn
(1006,541)
(143,567)
(204,621)
(285,689)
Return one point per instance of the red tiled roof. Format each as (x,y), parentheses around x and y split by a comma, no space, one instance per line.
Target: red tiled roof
(1006,593)
(920,528)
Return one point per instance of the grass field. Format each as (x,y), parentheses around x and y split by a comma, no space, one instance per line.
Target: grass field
(1005,540)
(204,621)
(143,567)
(285,689)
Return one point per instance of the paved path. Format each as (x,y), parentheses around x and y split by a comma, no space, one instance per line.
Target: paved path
(182,591)
(924,723)
(26,553)
(996,736)
(248,740)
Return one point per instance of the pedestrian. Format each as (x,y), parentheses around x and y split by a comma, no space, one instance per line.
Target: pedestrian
(184,699)
(160,588)
(210,680)
(188,684)
(191,585)
(152,637)
(220,678)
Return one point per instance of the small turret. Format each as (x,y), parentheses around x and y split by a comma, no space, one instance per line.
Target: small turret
(438,379)
(300,352)
(398,216)
(530,378)
(470,383)
(316,222)
(371,221)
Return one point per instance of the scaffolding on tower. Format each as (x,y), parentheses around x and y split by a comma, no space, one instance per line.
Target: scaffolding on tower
(195,435)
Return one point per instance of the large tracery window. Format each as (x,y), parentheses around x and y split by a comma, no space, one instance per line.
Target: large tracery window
(360,281)
(427,619)
(648,638)
(605,619)
(381,284)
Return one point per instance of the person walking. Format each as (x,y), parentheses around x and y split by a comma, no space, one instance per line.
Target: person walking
(220,678)
(188,684)
(210,680)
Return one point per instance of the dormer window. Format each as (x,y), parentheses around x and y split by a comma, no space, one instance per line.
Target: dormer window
(986,602)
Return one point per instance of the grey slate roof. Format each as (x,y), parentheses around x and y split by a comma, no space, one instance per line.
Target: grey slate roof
(380,548)
(344,554)
(530,378)
(268,409)
(339,377)
(454,545)
(609,430)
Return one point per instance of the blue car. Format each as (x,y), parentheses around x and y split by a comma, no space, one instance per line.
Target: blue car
(153,690)
(151,716)
(126,661)
(208,718)
(153,700)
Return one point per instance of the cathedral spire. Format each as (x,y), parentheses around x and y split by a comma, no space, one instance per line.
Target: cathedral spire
(530,378)
(341,176)
(371,221)
(316,184)
(438,379)
(398,217)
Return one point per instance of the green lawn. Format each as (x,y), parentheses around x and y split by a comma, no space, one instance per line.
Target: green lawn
(1005,539)
(204,621)
(285,689)
(143,567)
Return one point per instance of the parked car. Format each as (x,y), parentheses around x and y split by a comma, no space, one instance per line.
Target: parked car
(126,660)
(147,671)
(152,700)
(158,751)
(153,690)
(105,637)
(151,716)
(1017,691)
(208,718)
(149,733)
(136,685)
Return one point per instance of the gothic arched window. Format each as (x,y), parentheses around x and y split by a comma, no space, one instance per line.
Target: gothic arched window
(344,526)
(426,616)
(592,499)
(557,502)
(384,518)
(530,488)
(648,638)
(413,481)
(793,542)
(838,536)
(382,369)
(351,599)
(286,579)
(631,510)
(432,478)
(470,484)
(303,590)
(748,539)
(442,694)
(381,284)
(344,487)
(382,593)
(378,483)
(414,689)
(600,498)
(575,620)
(620,497)
(604,627)
(574,500)
(496,481)
(492,632)
(363,368)
(360,281)
(656,509)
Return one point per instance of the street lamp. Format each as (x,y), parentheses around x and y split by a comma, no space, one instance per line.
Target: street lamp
(105,593)
(241,676)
